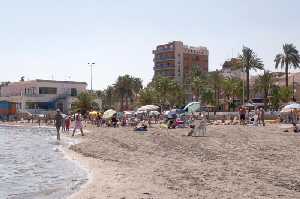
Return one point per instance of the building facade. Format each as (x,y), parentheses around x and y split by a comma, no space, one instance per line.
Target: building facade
(177,61)
(39,96)
(229,70)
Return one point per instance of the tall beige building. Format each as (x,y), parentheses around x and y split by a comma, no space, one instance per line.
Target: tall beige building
(176,60)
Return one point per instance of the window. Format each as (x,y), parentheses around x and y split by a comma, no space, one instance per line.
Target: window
(48,90)
(73,92)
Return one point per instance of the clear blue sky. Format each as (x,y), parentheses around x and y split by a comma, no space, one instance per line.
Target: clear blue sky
(57,38)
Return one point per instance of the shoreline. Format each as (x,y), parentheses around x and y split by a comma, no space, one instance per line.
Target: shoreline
(82,162)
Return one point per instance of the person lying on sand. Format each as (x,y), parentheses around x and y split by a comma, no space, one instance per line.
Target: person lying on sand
(141,127)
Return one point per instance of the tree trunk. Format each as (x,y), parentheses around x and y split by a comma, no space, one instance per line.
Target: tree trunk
(286,75)
(215,95)
(122,103)
(248,86)
(218,97)
(265,99)
(126,103)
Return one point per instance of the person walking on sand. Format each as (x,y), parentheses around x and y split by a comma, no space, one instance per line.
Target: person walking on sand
(58,123)
(262,116)
(78,124)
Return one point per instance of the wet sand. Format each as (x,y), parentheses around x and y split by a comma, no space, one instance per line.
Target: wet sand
(230,162)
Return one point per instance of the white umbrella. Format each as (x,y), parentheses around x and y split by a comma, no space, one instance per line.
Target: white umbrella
(289,107)
(292,106)
(109,113)
(148,108)
(154,113)
(128,113)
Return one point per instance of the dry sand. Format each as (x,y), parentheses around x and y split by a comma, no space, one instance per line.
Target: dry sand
(230,162)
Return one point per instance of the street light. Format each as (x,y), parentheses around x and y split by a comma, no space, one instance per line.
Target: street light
(243,75)
(91,65)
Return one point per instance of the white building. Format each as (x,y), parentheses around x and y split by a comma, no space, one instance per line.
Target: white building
(39,96)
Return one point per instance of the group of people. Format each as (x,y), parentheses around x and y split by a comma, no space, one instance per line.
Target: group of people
(65,123)
(256,118)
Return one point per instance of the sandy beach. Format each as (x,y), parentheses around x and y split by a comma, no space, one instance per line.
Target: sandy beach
(230,162)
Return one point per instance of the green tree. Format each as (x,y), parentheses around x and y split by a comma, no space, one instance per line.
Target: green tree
(263,84)
(147,96)
(175,95)
(84,102)
(215,79)
(207,96)
(249,61)
(198,84)
(168,91)
(275,99)
(285,94)
(288,59)
(126,87)
(232,89)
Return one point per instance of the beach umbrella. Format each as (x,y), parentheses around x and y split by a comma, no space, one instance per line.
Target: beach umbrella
(148,108)
(248,105)
(93,113)
(128,113)
(292,106)
(109,113)
(154,113)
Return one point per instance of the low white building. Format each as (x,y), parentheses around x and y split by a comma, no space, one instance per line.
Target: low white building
(40,96)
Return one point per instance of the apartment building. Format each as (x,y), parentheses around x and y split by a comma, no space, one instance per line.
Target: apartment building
(177,61)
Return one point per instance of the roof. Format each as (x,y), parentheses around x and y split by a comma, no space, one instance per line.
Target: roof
(49,81)
(65,82)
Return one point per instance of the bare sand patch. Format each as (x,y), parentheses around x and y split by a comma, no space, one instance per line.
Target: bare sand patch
(230,162)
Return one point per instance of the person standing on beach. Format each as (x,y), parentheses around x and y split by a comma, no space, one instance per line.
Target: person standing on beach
(68,123)
(262,116)
(78,124)
(58,123)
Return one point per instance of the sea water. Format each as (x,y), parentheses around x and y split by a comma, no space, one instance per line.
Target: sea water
(33,166)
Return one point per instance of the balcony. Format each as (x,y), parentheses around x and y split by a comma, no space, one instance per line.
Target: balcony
(164,67)
(163,50)
(163,59)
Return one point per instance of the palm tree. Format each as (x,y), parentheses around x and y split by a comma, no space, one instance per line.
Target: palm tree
(126,87)
(215,78)
(162,86)
(263,84)
(175,95)
(250,61)
(168,91)
(207,96)
(197,86)
(289,58)
(147,96)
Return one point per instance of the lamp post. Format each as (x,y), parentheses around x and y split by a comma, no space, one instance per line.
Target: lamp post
(91,65)
(294,90)
(243,74)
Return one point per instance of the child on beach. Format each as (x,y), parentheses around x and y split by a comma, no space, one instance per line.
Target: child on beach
(68,123)
(78,124)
